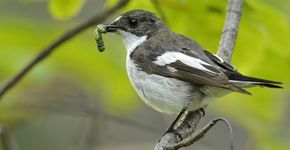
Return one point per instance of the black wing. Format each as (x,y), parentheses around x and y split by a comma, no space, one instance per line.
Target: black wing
(184,59)
(234,76)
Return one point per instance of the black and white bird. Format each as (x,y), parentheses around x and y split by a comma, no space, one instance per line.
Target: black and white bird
(171,72)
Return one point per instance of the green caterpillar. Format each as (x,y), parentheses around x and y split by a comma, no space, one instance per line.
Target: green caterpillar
(100,29)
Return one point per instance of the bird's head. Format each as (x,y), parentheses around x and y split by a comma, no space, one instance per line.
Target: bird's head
(137,22)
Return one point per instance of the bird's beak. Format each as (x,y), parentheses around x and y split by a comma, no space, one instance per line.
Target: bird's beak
(112,28)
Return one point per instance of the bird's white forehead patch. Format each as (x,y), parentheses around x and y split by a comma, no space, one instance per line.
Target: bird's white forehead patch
(118,18)
(171,57)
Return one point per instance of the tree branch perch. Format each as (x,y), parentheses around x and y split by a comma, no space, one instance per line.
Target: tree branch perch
(230,31)
(172,141)
(200,134)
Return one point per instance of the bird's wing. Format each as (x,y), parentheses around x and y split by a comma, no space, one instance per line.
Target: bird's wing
(220,62)
(237,78)
(185,61)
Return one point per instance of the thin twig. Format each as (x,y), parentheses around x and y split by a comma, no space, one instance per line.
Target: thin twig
(230,30)
(68,35)
(225,50)
(200,134)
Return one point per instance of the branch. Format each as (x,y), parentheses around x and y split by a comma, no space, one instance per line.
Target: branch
(68,35)
(184,130)
(201,133)
(230,31)
(225,50)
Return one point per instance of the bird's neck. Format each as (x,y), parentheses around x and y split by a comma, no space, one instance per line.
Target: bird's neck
(132,41)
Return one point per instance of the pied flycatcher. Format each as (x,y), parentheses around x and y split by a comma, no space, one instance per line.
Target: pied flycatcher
(171,72)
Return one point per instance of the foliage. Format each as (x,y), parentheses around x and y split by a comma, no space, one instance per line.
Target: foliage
(262,50)
(65,9)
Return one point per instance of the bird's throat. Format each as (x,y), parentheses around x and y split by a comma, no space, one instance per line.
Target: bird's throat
(132,41)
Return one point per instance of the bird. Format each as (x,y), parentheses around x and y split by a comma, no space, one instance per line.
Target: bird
(171,72)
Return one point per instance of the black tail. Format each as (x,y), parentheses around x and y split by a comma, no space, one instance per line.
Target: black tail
(255,81)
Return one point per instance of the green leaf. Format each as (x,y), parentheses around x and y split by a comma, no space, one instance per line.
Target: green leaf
(65,9)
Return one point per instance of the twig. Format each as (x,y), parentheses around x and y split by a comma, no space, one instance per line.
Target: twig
(230,30)
(6,140)
(200,134)
(185,129)
(68,35)
(225,50)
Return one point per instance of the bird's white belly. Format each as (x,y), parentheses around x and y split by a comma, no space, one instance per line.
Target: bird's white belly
(164,94)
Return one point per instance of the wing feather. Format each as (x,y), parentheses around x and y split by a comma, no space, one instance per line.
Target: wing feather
(184,60)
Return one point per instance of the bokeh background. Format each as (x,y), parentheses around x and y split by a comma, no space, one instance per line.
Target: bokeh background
(80,99)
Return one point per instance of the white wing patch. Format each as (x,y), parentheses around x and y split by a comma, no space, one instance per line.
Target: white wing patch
(221,60)
(118,18)
(171,57)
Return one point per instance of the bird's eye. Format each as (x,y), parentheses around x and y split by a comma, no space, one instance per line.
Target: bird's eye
(151,20)
(133,22)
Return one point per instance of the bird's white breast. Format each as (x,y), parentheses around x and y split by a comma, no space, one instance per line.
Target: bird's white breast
(131,41)
(163,94)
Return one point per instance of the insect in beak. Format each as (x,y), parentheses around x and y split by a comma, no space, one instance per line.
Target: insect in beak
(102,29)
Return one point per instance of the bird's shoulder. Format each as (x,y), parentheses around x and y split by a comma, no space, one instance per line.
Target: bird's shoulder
(170,42)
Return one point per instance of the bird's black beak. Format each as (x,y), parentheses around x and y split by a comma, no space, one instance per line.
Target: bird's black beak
(112,28)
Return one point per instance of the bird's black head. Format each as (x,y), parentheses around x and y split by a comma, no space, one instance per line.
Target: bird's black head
(137,22)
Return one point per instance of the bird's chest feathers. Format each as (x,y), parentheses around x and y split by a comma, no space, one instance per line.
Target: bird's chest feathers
(163,94)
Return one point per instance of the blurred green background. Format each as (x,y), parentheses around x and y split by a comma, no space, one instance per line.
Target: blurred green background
(79,98)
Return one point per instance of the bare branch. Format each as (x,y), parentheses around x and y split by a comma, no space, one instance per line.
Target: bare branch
(68,35)
(230,31)
(200,134)
(191,120)
(184,130)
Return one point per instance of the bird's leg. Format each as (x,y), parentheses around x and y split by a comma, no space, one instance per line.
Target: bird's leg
(171,127)
(197,135)
(179,121)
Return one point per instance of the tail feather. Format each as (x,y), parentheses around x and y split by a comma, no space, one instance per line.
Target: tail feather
(269,85)
(246,81)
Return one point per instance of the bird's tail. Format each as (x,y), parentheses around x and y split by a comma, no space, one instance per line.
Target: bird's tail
(245,81)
